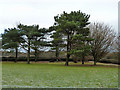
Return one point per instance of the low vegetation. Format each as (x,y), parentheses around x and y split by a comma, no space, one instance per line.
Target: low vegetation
(48,75)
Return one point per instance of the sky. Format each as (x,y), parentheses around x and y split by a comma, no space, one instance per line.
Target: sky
(42,12)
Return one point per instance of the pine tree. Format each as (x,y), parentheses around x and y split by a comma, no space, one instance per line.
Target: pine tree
(34,38)
(11,40)
(27,32)
(70,25)
(81,46)
(56,44)
(38,40)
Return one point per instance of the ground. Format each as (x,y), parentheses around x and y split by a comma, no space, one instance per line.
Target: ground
(48,75)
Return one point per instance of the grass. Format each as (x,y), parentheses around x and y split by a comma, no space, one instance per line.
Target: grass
(48,75)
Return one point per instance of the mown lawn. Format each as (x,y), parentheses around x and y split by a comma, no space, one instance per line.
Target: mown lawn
(48,75)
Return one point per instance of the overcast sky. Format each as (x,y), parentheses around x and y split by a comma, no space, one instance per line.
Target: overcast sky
(42,12)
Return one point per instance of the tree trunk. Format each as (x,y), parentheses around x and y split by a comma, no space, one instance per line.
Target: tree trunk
(68,49)
(57,53)
(95,61)
(67,60)
(83,59)
(16,54)
(35,55)
(28,57)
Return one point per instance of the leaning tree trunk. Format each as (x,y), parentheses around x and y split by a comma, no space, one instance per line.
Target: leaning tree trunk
(28,57)
(16,55)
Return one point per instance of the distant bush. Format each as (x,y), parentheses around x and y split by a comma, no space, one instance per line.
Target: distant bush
(113,55)
(33,59)
(110,58)
(114,61)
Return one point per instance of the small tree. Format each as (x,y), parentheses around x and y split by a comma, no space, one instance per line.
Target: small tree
(11,40)
(38,40)
(27,34)
(81,46)
(103,36)
(56,43)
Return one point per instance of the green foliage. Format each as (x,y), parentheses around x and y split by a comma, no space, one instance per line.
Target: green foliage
(34,38)
(73,27)
(57,42)
(81,45)
(38,38)
(27,33)
(11,38)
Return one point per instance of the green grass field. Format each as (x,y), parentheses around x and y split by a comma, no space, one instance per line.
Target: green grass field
(48,75)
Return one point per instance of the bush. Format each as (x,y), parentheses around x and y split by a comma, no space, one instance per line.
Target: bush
(114,61)
(33,59)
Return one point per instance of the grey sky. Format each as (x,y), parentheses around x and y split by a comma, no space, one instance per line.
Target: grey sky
(42,12)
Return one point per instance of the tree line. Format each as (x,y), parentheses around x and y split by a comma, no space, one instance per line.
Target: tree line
(71,32)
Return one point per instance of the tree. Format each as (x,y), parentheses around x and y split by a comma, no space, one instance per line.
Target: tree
(27,34)
(81,46)
(11,40)
(56,43)
(69,25)
(103,36)
(38,40)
